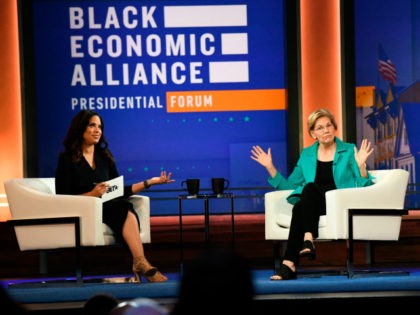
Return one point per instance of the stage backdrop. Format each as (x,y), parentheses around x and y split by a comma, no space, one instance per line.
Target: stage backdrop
(388,87)
(183,86)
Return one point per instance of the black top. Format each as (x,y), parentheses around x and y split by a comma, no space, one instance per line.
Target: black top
(324,176)
(75,178)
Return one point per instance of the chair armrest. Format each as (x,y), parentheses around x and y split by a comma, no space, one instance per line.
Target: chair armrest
(142,207)
(377,196)
(276,204)
(27,203)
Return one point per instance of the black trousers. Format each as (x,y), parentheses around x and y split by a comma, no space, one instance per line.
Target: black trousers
(305,218)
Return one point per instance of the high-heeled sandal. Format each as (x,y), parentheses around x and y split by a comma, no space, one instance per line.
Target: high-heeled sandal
(285,273)
(308,250)
(141,267)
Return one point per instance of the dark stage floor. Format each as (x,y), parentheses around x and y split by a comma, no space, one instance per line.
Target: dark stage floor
(164,251)
(384,287)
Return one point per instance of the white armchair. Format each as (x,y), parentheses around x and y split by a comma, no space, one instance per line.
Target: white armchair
(388,193)
(35,198)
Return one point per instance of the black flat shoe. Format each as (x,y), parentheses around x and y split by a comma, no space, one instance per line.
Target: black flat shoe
(311,253)
(285,273)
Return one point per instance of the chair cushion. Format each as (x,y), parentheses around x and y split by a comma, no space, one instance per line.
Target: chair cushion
(38,185)
(283,220)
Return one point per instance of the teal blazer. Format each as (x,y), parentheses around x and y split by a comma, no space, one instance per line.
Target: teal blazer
(346,173)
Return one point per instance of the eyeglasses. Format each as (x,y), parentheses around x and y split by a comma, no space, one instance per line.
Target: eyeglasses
(323,128)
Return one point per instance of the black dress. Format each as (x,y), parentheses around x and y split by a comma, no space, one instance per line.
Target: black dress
(75,178)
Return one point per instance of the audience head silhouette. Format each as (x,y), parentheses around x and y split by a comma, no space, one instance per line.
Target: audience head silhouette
(99,304)
(217,282)
(10,306)
(139,306)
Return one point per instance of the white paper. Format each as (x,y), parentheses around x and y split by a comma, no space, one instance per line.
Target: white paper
(115,188)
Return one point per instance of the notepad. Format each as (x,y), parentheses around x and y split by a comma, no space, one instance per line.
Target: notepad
(115,188)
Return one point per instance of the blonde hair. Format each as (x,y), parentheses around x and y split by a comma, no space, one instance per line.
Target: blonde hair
(318,114)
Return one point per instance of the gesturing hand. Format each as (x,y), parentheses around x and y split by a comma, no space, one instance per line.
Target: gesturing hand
(363,153)
(163,179)
(259,155)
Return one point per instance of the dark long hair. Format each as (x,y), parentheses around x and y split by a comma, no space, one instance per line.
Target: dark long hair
(74,138)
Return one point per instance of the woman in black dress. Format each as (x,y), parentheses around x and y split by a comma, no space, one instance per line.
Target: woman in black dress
(83,168)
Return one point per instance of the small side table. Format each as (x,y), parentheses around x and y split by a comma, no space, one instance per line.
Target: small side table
(205,198)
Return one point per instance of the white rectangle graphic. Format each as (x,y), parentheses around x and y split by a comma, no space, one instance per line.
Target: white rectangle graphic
(234,43)
(205,15)
(228,72)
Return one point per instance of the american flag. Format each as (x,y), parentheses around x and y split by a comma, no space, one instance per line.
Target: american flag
(386,67)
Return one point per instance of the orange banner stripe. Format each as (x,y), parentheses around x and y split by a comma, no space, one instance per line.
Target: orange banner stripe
(222,101)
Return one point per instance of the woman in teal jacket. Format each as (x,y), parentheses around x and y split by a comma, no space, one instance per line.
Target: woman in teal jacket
(327,164)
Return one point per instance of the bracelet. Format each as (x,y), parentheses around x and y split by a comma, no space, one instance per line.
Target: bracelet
(146,184)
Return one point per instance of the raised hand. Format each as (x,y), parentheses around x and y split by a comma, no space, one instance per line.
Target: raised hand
(363,153)
(264,158)
(164,178)
(259,155)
